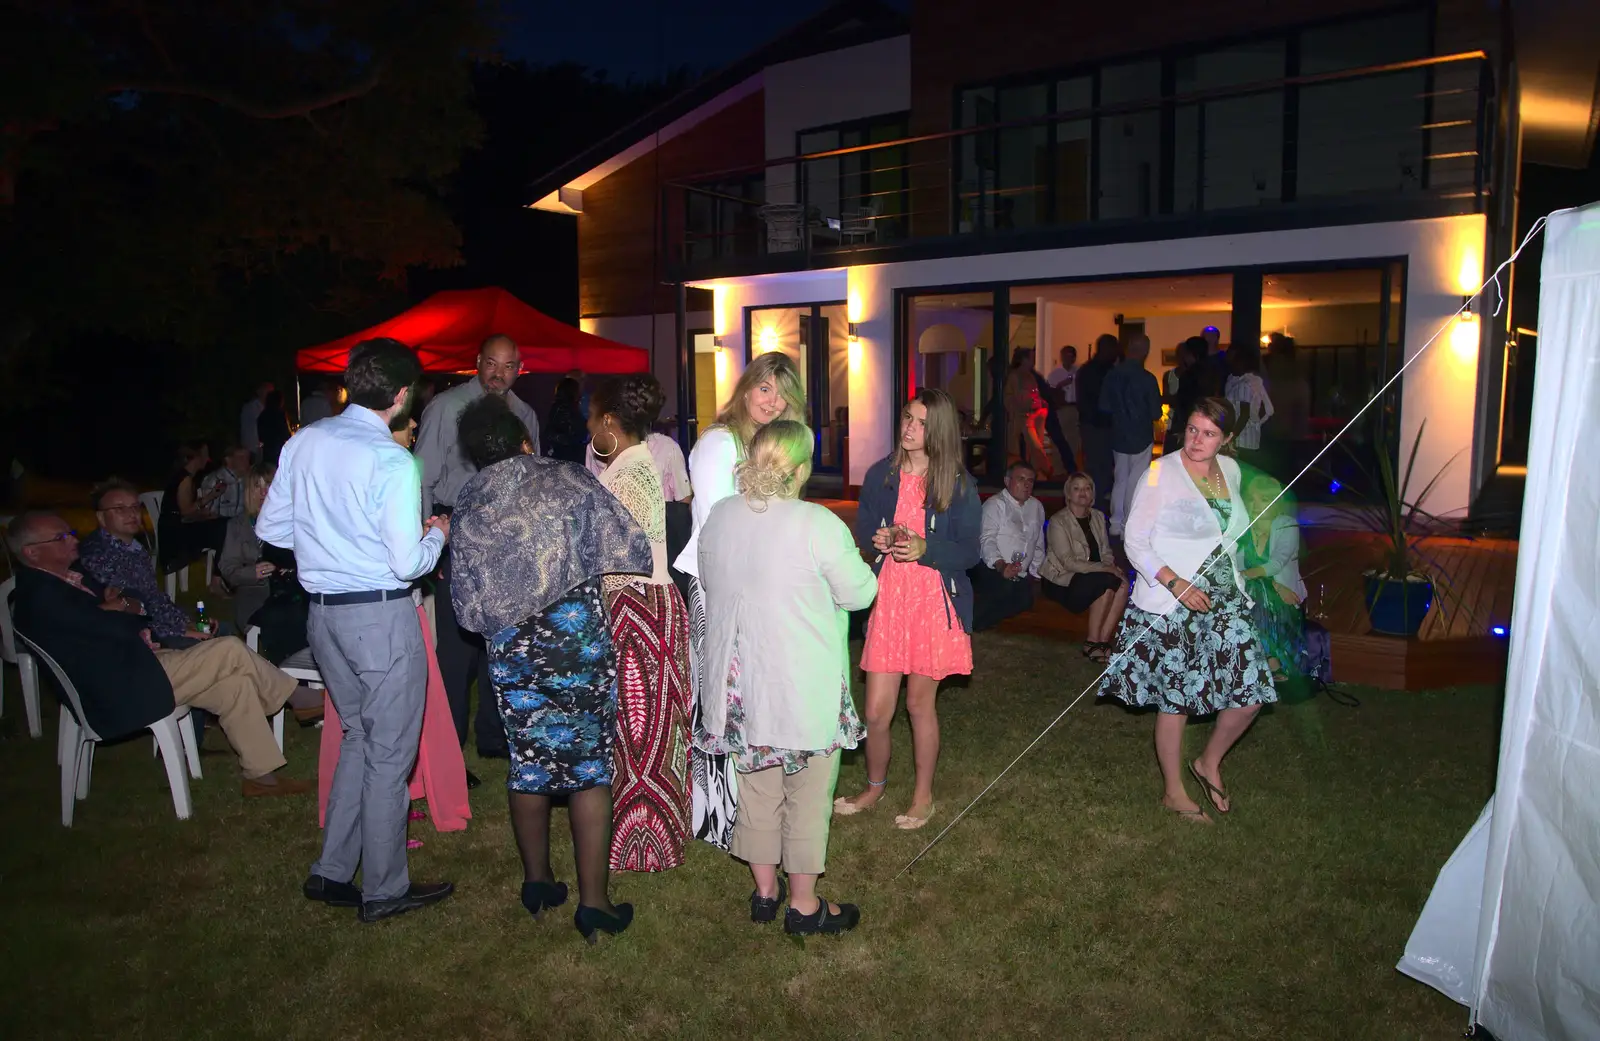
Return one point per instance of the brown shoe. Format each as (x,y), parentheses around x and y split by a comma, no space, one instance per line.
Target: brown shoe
(307,716)
(284,786)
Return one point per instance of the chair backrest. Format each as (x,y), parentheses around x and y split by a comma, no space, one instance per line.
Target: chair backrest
(152,501)
(8,642)
(63,684)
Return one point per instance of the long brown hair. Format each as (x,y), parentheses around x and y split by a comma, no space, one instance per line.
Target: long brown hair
(774,367)
(943,445)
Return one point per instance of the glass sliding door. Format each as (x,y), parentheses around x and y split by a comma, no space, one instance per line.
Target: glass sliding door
(816,338)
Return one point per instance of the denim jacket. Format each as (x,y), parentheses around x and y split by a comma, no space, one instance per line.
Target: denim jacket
(952,535)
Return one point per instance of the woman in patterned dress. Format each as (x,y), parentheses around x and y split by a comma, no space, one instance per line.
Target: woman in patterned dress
(781,577)
(769,387)
(1186,645)
(919,517)
(532,538)
(650,631)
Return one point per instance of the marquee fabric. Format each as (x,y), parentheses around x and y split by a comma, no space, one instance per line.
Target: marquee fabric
(447,328)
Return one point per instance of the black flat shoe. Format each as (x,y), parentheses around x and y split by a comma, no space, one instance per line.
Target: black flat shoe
(592,920)
(334,894)
(823,922)
(419,895)
(763,909)
(536,896)
(472,780)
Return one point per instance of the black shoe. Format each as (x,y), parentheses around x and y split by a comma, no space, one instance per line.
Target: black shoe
(417,896)
(592,919)
(502,752)
(472,780)
(334,894)
(536,896)
(763,909)
(824,921)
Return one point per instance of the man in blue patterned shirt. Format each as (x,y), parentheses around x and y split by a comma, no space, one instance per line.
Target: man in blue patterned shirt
(115,557)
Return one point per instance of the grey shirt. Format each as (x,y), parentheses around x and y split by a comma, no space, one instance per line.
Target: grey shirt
(445,468)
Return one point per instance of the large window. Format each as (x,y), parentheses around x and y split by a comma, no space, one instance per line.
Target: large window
(856,197)
(723,219)
(816,337)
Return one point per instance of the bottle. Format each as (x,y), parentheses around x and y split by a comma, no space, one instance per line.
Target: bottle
(202,624)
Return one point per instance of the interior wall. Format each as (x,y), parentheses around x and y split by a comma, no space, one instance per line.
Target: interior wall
(1166,331)
(657,334)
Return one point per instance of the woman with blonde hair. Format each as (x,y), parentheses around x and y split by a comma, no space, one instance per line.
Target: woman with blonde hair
(770,387)
(1079,572)
(780,577)
(919,517)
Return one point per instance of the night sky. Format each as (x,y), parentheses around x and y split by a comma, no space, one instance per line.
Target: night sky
(644,38)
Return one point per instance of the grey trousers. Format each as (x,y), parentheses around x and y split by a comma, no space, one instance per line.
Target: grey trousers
(374,663)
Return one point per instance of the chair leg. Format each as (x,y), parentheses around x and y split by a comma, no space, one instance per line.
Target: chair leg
(65,728)
(191,747)
(85,768)
(30,693)
(172,585)
(166,732)
(211,563)
(277,727)
(183,579)
(70,746)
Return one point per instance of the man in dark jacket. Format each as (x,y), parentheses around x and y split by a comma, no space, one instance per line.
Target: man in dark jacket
(1095,423)
(101,639)
(1131,398)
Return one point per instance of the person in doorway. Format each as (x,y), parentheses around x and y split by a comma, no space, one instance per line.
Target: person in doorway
(769,387)
(1011,545)
(445,468)
(1080,573)
(919,517)
(1095,423)
(345,502)
(1064,379)
(1248,394)
(1132,398)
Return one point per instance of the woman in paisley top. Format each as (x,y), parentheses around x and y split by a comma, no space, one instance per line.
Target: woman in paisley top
(781,576)
(532,539)
(1186,645)
(650,631)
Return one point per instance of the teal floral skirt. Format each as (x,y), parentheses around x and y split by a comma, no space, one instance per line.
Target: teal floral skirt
(1192,662)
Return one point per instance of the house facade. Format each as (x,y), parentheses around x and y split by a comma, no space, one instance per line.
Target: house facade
(904,201)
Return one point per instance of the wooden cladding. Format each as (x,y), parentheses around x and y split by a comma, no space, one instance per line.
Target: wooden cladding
(620,232)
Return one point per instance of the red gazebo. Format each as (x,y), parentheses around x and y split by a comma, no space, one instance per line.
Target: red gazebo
(447,328)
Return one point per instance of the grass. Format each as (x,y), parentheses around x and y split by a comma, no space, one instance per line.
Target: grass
(1064,906)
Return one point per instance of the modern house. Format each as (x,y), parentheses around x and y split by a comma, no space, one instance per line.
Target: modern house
(900,201)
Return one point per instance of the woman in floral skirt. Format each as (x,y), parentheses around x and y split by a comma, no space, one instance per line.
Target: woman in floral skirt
(1186,645)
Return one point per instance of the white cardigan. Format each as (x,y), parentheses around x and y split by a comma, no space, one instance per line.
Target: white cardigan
(780,584)
(1170,523)
(711,476)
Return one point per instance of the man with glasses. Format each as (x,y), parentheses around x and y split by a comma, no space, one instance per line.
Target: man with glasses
(444,470)
(115,556)
(98,634)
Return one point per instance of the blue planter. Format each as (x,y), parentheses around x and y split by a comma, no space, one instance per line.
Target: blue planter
(1397,608)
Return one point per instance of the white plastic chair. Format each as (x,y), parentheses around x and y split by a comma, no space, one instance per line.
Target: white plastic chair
(75,746)
(23,661)
(300,665)
(151,501)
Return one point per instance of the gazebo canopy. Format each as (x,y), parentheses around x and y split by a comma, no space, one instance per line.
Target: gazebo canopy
(447,328)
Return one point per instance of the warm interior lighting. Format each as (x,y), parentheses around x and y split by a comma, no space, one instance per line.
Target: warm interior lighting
(769,339)
(719,312)
(1266,338)
(1470,276)
(854,355)
(853,309)
(1464,337)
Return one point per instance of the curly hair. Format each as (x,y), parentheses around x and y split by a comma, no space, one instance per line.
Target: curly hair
(490,432)
(634,401)
(779,463)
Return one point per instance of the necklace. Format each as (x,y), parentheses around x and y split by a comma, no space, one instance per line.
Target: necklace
(1217,490)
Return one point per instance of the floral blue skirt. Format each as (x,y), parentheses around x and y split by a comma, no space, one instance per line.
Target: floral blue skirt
(1192,662)
(555,682)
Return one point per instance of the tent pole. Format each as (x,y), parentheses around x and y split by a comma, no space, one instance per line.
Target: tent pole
(685,362)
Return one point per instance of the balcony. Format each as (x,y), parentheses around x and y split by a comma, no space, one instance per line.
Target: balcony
(1397,141)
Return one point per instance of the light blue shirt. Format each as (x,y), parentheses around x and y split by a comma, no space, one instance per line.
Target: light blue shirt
(346,500)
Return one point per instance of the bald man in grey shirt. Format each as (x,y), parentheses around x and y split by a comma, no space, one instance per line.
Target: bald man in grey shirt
(444,470)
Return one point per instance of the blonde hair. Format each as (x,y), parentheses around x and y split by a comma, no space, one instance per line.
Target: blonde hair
(773,367)
(779,464)
(942,442)
(1079,478)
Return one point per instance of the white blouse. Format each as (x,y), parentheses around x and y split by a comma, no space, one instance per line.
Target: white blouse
(632,478)
(1249,395)
(711,477)
(1171,524)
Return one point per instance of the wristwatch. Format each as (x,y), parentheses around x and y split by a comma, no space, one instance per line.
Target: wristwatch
(1172,582)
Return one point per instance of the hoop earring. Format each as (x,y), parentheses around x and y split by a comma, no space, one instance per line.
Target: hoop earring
(609,452)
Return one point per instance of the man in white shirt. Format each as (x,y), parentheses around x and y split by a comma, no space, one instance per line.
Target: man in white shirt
(445,468)
(1011,545)
(345,500)
(1064,378)
(249,436)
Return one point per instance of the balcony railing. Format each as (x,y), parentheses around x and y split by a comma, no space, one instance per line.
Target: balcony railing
(1407,131)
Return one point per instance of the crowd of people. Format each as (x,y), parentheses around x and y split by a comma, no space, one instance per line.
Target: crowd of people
(669,670)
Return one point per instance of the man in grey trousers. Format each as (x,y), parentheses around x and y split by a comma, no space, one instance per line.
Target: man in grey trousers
(346,501)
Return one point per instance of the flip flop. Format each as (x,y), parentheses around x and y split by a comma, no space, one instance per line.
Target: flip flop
(906,822)
(1195,816)
(1212,791)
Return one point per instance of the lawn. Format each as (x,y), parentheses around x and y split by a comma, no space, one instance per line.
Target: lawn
(1065,905)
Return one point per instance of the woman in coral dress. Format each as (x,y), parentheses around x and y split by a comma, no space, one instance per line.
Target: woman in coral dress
(919,518)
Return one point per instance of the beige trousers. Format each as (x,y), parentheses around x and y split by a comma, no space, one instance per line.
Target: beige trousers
(784,818)
(240,688)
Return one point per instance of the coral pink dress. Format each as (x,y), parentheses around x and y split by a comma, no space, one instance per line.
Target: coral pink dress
(914,628)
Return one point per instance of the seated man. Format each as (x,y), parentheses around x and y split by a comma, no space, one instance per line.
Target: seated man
(223,488)
(114,556)
(1012,548)
(99,636)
